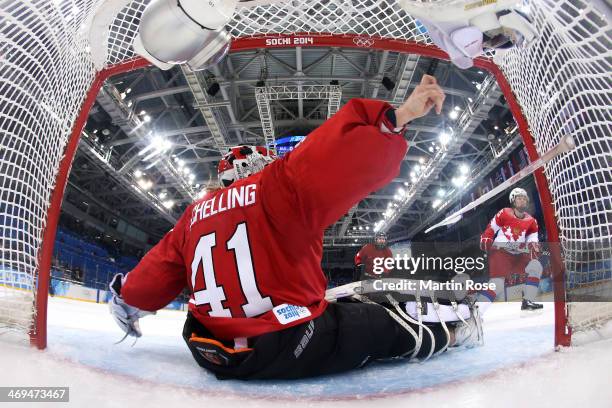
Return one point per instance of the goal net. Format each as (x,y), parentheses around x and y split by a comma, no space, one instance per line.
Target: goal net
(55,54)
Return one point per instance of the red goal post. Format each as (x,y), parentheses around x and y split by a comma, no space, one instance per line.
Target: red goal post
(62,86)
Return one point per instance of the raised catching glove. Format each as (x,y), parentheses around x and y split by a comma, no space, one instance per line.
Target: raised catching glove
(125,315)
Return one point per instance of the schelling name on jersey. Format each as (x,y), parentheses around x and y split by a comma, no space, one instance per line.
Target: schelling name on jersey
(240,196)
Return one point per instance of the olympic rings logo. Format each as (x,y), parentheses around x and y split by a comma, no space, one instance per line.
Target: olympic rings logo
(363,42)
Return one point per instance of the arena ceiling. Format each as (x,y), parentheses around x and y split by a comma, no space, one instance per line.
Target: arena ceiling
(153,138)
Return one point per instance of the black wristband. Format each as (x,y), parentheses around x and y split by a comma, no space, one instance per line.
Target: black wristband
(390,115)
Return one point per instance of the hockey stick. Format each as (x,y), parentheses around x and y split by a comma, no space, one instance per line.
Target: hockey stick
(565,145)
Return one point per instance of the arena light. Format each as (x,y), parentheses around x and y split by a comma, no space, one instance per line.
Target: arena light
(213,89)
(453,114)
(458,181)
(464,169)
(145,184)
(158,145)
(138,174)
(436,203)
(388,83)
(168,204)
(445,138)
(441,192)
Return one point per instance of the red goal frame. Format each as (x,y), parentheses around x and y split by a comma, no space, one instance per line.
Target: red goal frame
(38,332)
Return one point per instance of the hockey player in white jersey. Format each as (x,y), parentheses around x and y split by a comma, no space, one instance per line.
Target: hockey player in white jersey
(511,241)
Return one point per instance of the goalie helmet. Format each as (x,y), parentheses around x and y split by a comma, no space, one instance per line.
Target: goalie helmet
(517,192)
(241,162)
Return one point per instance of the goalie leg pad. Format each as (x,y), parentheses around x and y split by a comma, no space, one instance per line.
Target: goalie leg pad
(445,313)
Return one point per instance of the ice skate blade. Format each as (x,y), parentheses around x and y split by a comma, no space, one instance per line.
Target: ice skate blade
(531,313)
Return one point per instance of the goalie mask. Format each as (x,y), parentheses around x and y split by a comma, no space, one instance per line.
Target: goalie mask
(241,162)
(466,29)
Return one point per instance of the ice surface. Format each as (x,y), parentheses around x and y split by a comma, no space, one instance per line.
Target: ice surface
(516,367)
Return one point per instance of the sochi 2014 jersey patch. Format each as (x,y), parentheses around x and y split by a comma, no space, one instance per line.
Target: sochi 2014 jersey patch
(286,314)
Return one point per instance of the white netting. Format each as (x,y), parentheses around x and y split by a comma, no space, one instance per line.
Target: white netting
(563,85)
(44,74)
(47,65)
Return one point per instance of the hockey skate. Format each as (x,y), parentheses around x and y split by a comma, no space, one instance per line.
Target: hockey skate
(469,334)
(529,307)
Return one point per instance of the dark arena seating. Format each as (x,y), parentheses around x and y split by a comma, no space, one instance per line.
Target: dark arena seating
(86,262)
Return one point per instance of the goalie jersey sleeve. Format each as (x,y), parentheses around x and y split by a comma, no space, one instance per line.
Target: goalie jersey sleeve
(340,163)
(160,276)
(251,253)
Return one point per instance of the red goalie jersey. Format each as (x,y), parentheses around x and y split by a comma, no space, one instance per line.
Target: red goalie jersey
(251,253)
(513,234)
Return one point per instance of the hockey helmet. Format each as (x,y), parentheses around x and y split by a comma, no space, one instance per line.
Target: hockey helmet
(380,239)
(517,192)
(241,162)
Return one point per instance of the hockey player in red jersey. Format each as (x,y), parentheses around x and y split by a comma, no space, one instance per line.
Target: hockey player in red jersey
(364,259)
(511,240)
(250,253)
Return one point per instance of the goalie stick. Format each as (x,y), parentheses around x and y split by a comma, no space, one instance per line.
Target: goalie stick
(409,287)
(565,145)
